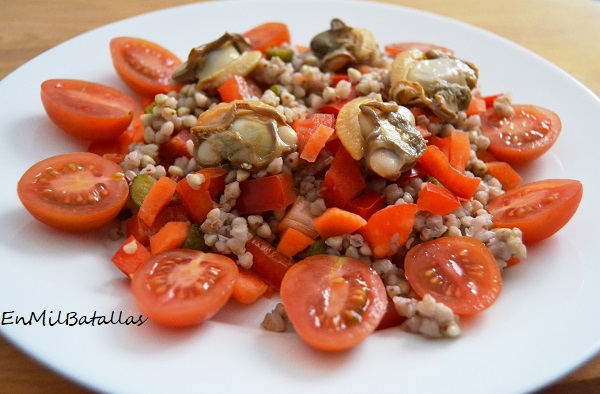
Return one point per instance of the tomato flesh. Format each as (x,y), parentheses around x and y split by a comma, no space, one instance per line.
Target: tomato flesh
(523,137)
(459,272)
(74,191)
(144,66)
(539,209)
(333,302)
(183,287)
(87,110)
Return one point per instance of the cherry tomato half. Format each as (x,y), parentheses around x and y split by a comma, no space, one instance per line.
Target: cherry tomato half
(144,66)
(539,208)
(333,302)
(74,191)
(523,137)
(459,272)
(87,110)
(183,287)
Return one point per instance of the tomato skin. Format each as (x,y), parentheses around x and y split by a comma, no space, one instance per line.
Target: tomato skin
(539,209)
(144,66)
(333,302)
(268,35)
(183,287)
(95,194)
(459,272)
(87,110)
(524,137)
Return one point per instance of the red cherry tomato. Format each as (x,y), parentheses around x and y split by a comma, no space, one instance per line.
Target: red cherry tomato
(523,137)
(74,191)
(459,272)
(333,302)
(87,110)
(183,287)
(539,208)
(144,66)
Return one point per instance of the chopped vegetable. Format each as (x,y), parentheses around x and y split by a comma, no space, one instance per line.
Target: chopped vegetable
(270,193)
(130,255)
(437,165)
(293,241)
(335,221)
(248,287)
(388,229)
(170,236)
(343,180)
(437,199)
(156,199)
(267,262)
(505,173)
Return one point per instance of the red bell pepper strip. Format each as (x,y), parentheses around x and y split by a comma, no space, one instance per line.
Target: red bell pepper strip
(196,200)
(436,164)
(437,199)
(366,204)
(267,262)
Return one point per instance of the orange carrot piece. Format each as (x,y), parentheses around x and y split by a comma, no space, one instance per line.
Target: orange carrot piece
(387,230)
(335,221)
(316,142)
(293,241)
(485,156)
(512,261)
(437,199)
(171,236)
(460,149)
(476,106)
(508,176)
(248,287)
(157,198)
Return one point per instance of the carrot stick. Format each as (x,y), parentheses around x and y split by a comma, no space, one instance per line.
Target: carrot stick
(171,236)
(460,149)
(293,241)
(316,142)
(248,287)
(157,198)
(508,177)
(335,221)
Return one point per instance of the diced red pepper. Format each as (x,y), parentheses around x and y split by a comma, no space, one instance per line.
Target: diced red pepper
(436,164)
(267,262)
(266,194)
(197,201)
(130,255)
(343,180)
(367,204)
(437,199)
(175,147)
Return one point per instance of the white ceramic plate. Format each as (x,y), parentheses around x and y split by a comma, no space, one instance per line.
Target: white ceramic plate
(544,324)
